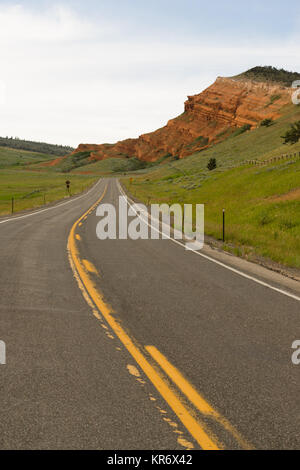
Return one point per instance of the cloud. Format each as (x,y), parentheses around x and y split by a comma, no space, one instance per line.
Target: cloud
(58,24)
(71,78)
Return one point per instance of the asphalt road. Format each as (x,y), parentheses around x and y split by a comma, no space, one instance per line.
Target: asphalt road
(123,344)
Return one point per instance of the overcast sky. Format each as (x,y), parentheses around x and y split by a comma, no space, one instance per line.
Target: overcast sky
(99,71)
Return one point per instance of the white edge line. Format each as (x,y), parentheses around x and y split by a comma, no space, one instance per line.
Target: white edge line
(50,208)
(236,271)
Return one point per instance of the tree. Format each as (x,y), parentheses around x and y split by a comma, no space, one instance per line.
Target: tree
(293,134)
(212,164)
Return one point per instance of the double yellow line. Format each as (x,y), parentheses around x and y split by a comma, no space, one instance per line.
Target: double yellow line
(155,366)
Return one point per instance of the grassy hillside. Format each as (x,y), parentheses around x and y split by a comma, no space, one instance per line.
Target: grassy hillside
(259,144)
(114,166)
(80,162)
(39,147)
(262,203)
(11,157)
(31,189)
(270,74)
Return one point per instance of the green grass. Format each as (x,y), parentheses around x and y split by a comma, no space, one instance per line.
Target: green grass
(14,157)
(259,220)
(80,163)
(114,166)
(28,188)
(74,161)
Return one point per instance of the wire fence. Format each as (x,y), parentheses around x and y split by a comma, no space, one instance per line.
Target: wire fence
(293,157)
(15,203)
(33,200)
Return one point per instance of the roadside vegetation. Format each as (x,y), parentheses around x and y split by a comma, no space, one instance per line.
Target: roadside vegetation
(262,206)
(31,189)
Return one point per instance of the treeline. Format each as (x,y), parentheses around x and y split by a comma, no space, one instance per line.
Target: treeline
(40,147)
(271,74)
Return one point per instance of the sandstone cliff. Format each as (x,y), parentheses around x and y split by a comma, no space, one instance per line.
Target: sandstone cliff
(207,118)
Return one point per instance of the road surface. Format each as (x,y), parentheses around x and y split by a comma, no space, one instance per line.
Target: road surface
(123,344)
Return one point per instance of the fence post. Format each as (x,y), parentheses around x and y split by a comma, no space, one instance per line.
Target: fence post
(223,225)
(12,205)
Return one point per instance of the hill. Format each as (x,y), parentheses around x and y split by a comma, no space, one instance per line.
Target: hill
(270,74)
(229,105)
(15,157)
(40,147)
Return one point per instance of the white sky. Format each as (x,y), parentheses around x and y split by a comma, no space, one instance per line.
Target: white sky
(70,76)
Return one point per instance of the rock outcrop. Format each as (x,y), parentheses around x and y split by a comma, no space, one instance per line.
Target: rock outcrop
(207,118)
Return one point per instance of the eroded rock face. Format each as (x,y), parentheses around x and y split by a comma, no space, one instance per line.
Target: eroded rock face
(238,102)
(207,117)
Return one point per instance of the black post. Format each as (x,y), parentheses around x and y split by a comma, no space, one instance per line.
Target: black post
(223,225)
(12,205)
(68,183)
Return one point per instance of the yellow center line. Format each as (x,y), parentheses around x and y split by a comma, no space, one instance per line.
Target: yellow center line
(194,396)
(196,429)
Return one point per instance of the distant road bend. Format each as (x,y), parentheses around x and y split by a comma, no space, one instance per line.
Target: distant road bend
(123,344)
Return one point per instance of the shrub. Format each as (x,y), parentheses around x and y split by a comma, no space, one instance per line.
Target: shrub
(133,164)
(274,98)
(203,141)
(265,219)
(287,224)
(266,122)
(212,164)
(293,134)
(241,130)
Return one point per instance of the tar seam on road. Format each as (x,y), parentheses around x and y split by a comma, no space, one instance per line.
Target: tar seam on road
(194,396)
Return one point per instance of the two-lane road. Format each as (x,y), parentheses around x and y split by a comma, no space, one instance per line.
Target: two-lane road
(123,344)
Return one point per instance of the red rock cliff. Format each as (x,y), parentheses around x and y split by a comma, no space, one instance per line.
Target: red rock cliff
(228,103)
